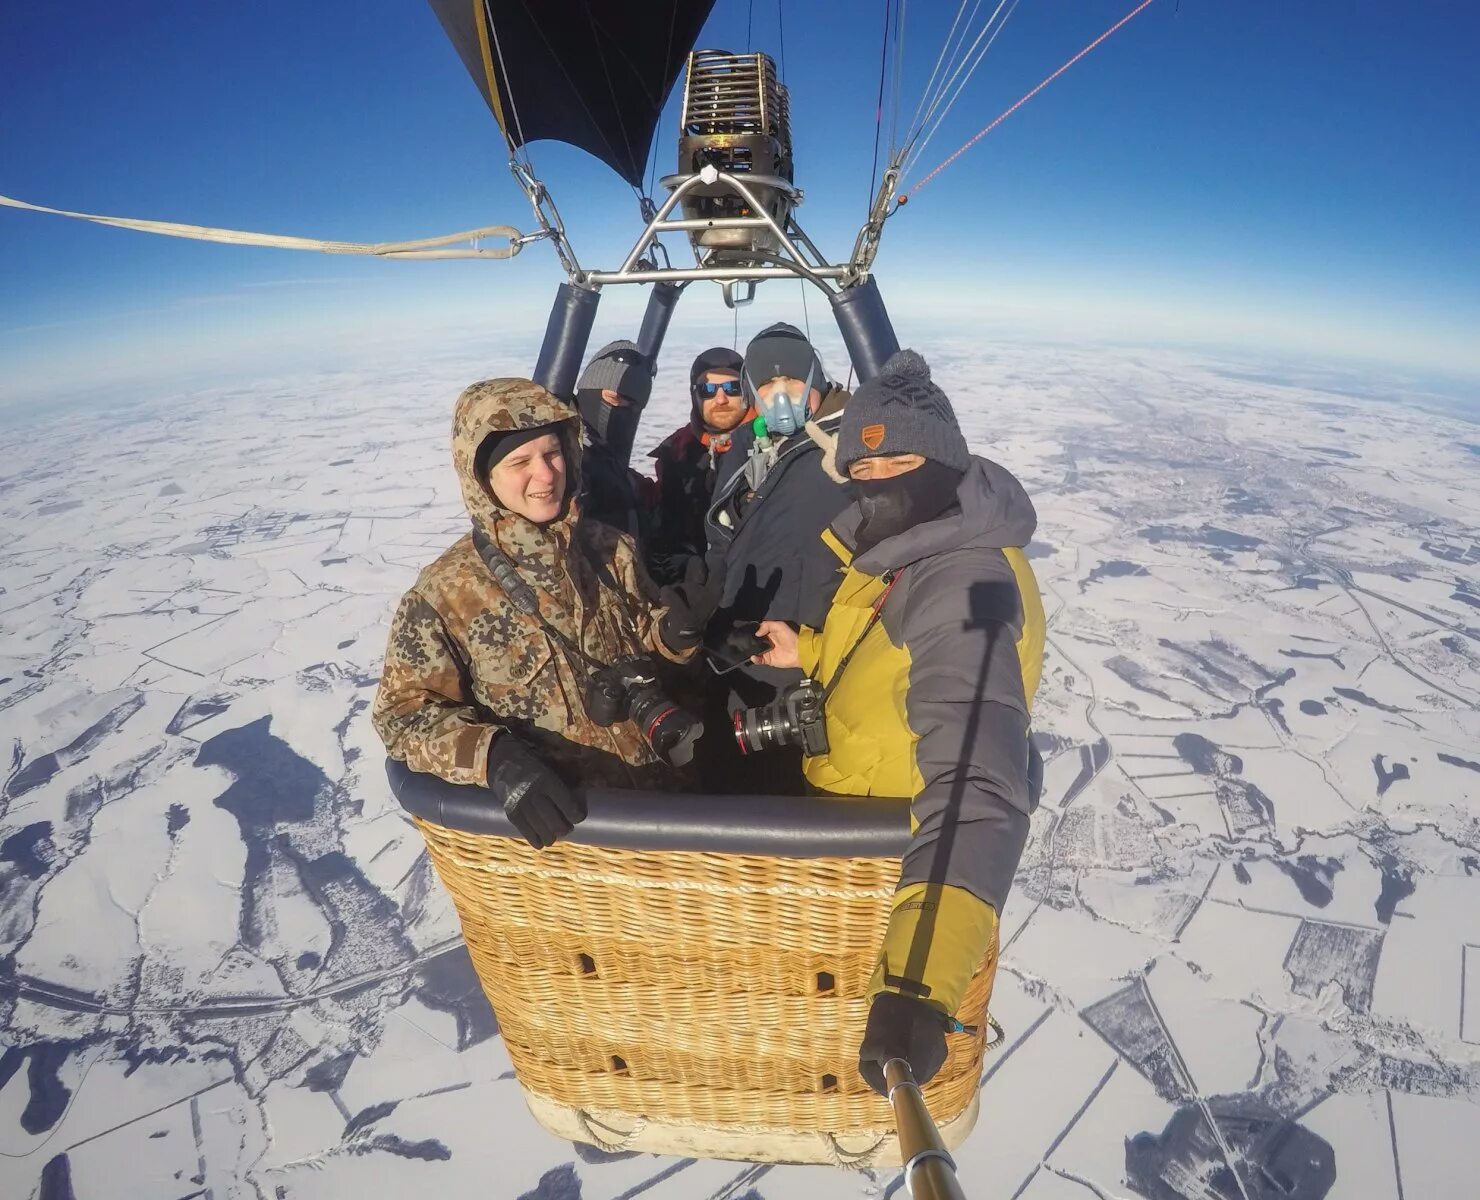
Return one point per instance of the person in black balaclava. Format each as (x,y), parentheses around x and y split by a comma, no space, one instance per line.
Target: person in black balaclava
(610,395)
(930,658)
(688,461)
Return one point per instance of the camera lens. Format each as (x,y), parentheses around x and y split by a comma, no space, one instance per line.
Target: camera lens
(670,730)
(793,719)
(758,729)
(630,689)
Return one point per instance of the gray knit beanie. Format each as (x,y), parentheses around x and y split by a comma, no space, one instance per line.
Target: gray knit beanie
(783,351)
(622,367)
(899,411)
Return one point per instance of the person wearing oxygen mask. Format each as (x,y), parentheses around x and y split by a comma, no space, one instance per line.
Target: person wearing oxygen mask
(919,683)
(522,660)
(776,492)
(611,394)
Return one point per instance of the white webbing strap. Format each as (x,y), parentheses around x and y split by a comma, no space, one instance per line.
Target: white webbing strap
(434,247)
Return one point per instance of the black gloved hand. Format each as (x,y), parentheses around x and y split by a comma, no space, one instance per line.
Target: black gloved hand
(690,606)
(671,568)
(901,1027)
(535,799)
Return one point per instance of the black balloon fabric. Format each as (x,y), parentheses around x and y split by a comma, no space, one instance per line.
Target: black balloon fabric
(591,73)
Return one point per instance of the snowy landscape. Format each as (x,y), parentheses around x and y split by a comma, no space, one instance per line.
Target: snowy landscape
(1251,896)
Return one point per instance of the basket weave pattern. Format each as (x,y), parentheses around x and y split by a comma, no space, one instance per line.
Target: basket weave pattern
(720,991)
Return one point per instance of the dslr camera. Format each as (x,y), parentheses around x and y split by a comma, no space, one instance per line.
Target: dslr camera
(794,718)
(629,690)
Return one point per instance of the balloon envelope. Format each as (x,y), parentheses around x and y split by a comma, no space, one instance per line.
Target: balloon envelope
(592,73)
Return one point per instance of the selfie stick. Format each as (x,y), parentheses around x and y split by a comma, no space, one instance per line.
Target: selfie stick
(929,1170)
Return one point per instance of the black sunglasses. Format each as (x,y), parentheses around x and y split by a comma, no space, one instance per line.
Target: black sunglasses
(730,387)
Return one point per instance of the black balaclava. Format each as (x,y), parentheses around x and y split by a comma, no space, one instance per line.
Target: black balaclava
(891,506)
(610,428)
(717,358)
(624,369)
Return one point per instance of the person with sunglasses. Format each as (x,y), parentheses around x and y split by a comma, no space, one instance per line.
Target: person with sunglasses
(688,461)
(776,493)
(611,394)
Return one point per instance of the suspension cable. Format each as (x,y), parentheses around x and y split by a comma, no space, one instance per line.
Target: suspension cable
(513,99)
(930,83)
(873,171)
(898,75)
(781,29)
(965,79)
(949,72)
(951,86)
(1120,24)
(652,179)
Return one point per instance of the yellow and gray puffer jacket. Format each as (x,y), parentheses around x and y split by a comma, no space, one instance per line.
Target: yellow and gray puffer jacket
(934,705)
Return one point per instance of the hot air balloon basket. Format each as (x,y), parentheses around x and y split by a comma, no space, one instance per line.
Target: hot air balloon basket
(694,1003)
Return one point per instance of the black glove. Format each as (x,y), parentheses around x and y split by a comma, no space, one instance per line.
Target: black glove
(901,1027)
(535,799)
(690,606)
(670,567)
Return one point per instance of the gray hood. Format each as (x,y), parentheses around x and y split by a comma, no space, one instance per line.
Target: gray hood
(995,512)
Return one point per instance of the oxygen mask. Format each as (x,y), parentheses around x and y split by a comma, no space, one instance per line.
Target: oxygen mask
(784,405)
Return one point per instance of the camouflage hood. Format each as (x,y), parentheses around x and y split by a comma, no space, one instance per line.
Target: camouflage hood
(500,406)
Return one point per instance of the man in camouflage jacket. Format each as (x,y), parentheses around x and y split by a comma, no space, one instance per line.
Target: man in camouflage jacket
(466,668)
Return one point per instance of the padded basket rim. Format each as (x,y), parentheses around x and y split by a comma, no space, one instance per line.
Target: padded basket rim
(768,826)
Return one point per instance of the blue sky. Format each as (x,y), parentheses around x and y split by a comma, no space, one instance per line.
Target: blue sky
(1300,178)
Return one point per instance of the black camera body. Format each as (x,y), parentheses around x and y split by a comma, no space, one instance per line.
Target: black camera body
(795,718)
(629,691)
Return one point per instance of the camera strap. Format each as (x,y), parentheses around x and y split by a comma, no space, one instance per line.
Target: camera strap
(890,579)
(522,596)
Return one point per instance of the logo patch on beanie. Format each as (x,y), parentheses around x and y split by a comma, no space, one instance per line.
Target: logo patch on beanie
(873,436)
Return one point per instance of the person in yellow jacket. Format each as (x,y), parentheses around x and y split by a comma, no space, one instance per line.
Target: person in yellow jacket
(929,659)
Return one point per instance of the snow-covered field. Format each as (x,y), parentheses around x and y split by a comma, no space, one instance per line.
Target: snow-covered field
(1254,880)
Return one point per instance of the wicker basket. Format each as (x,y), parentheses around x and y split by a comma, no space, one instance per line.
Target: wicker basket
(693,1003)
